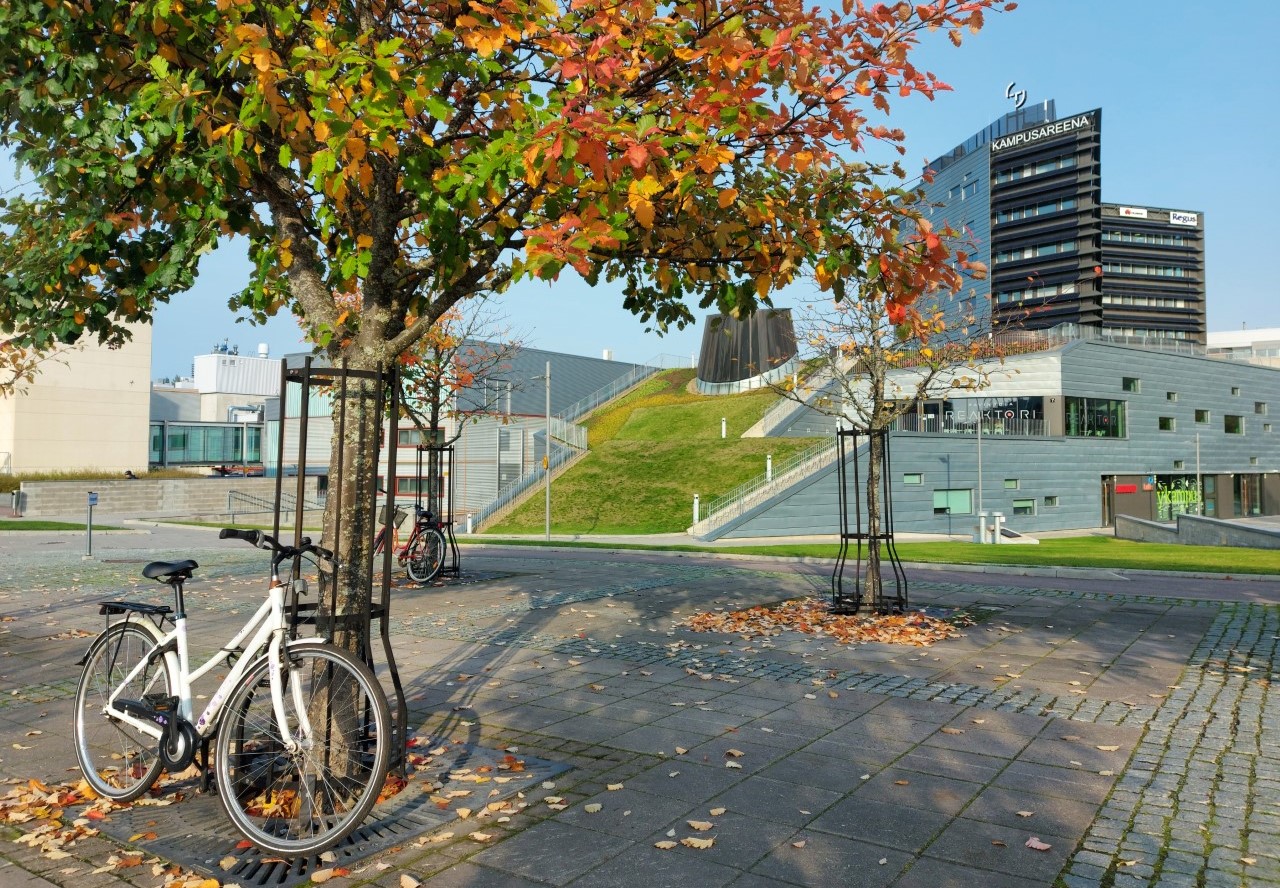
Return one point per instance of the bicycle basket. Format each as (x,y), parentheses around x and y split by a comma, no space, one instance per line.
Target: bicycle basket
(400,515)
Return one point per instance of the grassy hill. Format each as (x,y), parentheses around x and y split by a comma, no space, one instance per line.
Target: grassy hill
(650,453)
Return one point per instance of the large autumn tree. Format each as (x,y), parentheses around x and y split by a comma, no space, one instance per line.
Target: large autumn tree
(417,153)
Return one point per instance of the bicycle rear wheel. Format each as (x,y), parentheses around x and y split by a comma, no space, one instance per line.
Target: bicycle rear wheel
(306,801)
(426,556)
(119,761)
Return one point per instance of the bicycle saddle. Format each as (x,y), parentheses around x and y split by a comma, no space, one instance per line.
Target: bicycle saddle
(158,569)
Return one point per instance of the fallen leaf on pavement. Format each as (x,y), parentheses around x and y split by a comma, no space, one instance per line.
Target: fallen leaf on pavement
(700,825)
(1036,845)
(699,844)
(665,844)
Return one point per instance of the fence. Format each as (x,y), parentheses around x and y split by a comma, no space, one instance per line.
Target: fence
(932,425)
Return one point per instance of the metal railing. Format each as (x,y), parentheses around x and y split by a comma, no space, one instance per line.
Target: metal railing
(759,381)
(561,457)
(256,505)
(737,501)
(584,406)
(569,433)
(931,425)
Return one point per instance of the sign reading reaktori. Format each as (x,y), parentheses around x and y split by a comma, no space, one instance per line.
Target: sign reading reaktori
(1046,131)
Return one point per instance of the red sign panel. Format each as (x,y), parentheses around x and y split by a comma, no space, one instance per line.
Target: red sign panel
(1126,488)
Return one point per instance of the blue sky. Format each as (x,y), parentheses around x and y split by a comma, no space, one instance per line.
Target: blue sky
(1189,122)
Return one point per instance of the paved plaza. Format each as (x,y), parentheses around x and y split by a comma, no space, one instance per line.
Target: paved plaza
(1126,722)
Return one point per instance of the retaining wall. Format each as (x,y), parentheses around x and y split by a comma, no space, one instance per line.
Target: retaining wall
(161,498)
(1195,530)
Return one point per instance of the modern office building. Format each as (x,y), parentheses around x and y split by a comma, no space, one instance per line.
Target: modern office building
(1260,346)
(1025,196)
(1068,435)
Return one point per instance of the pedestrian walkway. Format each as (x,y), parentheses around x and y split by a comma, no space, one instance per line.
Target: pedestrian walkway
(1124,722)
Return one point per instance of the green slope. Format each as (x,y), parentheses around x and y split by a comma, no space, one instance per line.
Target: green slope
(650,453)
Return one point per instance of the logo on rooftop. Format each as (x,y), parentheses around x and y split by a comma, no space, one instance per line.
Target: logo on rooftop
(1019,97)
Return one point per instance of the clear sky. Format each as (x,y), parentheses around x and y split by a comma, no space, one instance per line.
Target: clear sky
(1189,121)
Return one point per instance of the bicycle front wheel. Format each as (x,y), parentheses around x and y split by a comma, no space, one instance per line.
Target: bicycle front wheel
(426,556)
(303,800)
(119,761)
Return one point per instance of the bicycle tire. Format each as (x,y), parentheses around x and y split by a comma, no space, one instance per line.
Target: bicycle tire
(118,761)
(426,557)
(295,805)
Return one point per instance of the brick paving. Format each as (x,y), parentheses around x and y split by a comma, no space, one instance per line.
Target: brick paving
(1135,729)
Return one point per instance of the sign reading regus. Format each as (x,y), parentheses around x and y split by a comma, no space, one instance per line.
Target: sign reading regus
(1177,217)
(1045,131)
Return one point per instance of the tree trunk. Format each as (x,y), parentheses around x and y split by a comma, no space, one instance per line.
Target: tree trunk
(351,509)
(875,461)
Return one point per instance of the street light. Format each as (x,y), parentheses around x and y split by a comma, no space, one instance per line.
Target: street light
(546,457)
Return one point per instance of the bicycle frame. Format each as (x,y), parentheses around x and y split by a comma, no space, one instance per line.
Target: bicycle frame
(265,629)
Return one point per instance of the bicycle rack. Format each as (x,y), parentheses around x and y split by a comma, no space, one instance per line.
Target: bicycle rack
(439,467)
(337,381)
(843,602)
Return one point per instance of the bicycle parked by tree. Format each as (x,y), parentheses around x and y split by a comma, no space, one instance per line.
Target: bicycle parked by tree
(300,727)
(423,551)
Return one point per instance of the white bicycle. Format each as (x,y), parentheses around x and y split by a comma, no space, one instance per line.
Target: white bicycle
(300,727)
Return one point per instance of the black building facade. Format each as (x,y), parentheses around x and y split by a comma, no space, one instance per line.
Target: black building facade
(1057,253)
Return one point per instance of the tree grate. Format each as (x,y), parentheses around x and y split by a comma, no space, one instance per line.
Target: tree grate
(196,835)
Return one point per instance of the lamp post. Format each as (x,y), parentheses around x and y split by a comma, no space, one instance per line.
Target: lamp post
(546,456)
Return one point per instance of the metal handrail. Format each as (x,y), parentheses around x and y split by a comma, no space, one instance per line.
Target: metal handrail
(585,405)
(736,501)
(560,456)
(288,503)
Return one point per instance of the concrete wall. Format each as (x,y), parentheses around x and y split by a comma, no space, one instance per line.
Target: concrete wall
(1193,530)
(166,498)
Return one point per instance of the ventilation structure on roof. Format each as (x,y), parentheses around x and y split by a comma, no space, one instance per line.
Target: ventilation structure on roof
(740,355)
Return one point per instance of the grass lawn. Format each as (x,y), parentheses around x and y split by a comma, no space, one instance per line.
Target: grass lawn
(1104,552)
(650,453)
(23,524)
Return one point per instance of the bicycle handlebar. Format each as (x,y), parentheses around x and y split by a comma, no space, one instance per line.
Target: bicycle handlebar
(260,540)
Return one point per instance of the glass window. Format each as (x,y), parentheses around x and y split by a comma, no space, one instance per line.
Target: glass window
(1179,463)
(1260,408)
(912,478)
(1131,384)
(1094,417)
(1233,425)
(1266,427)
(1010,483)
(1253,460)
(1171,396)
(953,502)
(1235,390)
(1050,501)
(1202,416)
(1167,424)
(1024,507)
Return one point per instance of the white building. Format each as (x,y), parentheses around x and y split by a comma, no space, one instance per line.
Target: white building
(88,408)
(1261,346)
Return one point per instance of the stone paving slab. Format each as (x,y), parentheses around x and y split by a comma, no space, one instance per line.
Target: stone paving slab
(865,765)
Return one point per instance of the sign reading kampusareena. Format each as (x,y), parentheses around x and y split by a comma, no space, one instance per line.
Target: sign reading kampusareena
(1046,131)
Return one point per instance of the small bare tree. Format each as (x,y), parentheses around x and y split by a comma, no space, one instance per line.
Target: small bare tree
(449,375)
(889,341)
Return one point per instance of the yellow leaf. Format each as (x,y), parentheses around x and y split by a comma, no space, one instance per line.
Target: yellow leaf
(763,283)
(322,131)
(364,241)
(695,842)
(286,258)
(644,213)
(727,197)
(665,845)
(700,825)
(262,58)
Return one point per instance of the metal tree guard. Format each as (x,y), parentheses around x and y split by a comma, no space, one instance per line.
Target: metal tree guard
(336,381)
(842,602)
(440,498)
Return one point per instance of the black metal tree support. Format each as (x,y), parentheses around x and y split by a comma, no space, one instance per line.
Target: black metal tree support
(335,380)
(849,448)
(440,499)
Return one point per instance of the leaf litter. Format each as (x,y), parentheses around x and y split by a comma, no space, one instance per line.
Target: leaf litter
(812,616)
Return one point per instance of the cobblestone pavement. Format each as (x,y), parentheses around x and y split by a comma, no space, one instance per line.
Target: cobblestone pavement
(1125,721)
